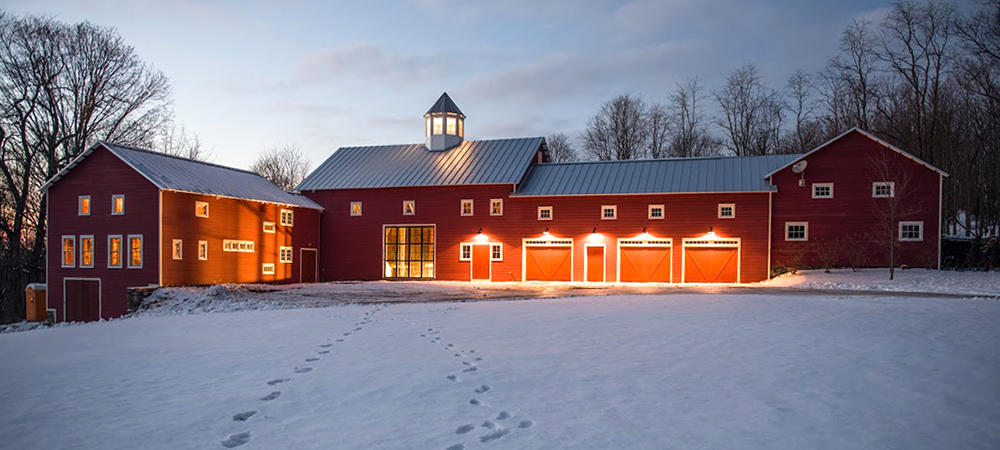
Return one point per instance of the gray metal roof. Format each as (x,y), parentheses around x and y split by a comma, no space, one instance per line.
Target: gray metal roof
(182,174)
(444,104)
(500,161)
(658,176)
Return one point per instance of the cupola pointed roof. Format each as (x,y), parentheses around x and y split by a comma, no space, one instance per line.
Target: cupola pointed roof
(445,104)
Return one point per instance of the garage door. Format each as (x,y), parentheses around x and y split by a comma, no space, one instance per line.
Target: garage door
(83,299)
(548,261)
(644,261)
(711,261)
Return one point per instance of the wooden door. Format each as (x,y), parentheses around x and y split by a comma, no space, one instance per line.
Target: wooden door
(308,271)
(548,263)
(481,262)
(711,264)
(645,264)
(83,300)
(595,263)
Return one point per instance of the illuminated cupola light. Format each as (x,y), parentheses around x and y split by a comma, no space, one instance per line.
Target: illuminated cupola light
(444,125)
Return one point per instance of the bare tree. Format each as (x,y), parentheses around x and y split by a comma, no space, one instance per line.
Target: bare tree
(689,135)
(752,113)
(560,150)
(897,203)
(619,130)
(658,122)
(808,132)
(174,140)
(855,70)
(285,166)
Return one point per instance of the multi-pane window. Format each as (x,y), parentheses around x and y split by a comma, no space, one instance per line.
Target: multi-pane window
(285,255)
(409,207)
(883,189)
(135,251)
(178,246)
(267,269)
(496,252)
(655,211)
(69,251)
(544,213)
(287,218)
(269,227)
(84,205)
(727,210)
(438,125)
(233,245)
(117,205)
(115,252)
(409,252)
(822,190)
(355,209)
(203,250)
(201,209)
(86,251)
(796,231)
(465,252)
(911,231)
(467,207)
(496,207)
(609,212)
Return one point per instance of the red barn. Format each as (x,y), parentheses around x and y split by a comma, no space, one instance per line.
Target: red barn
(121,217)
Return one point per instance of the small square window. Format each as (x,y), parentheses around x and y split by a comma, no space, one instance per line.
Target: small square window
(544,213)
(178,246)
(496,252)
(727,210)
(496,207)
(467,207)
(84,209)
(883,189)
(115,252)
(269,227)
(268,269)
(655,211)
(69,251)
(201,209)
(822,190)
(285,255)
(409,207)
(203,250)
(911,231)
(117,205)
(355,209)
(87,252)
(465,252)
(796,231)
(287,218)
(609,212)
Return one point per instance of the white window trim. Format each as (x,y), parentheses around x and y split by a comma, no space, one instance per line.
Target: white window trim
(270,227)
(267,269)
(113,198)
(281,255)
(360,209)
(121,249)
(496,245)
(200,256)
(789,225)
(175,254)
(496,200)
(472,207)
(197,209)
(663,212)
(291,218)
(79,205)
(142,257)
(413,207)
(918,223)
(62,251)
(613,208)
(544,208)
(238,246)
(461,252)
(820,185)
(92,247)
(729,205)
(877,184)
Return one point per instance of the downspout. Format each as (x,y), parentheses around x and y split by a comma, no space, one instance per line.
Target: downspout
(770,197)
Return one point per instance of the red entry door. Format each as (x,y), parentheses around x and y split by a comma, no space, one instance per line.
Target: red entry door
(595,263)
(308,270)
(83,300)
(481,262)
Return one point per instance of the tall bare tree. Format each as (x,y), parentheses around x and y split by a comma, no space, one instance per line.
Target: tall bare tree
(285,165)
(751,113)
(688,134)
(658,121)
(807,132)
(619,130)
(854,72)
(897,203)
(560,149)
(175,140)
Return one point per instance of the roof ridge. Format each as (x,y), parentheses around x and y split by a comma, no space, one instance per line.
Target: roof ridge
(154,152)
(423,144)
(691,158)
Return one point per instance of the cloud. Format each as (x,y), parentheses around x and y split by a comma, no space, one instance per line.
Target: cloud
(372,63)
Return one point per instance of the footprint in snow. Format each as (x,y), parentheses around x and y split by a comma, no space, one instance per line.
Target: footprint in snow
(236,440)
(423,335)
(525,424)
(243,416)
(303,369)
(326,345)
(489,424)
(458,355)
(453,378)
(347,333)
(478,359)
(340,340)
(456,447)
(482,389)
(271,396)
(471,369)
(496,434)
(504,415)
(323,352)
(475,401)
(465,429)
(278,381)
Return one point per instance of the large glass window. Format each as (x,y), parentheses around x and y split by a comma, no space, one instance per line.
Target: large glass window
(409,252)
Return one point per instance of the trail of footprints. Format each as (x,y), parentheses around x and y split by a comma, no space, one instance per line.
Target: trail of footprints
(238,439)
(493,428)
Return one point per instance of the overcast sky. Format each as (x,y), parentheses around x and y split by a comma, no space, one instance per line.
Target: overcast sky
(252,74)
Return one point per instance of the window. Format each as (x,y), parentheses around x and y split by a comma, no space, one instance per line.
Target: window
(201,209)
(496,252)
(451,125)
(118,205)
(267,269)
(86,251)
(438,125)
(269,227)
(409,207)
(655,211)
(911,231)
(796,231)
(496,207)
(84,209)
(409,252)
(467,207)
(822,190)
(544,213)
(355,209)
(115,252)
(203,250)
(461,127)
(285,255)
(233,245)
(727,210)
(287,218)
(609,212)
(465,252)
(135,251)
(883,189)
(69,251)
(178,246)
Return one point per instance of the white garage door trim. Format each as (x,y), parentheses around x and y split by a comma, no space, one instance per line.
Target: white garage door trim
(525,243)
(647,242)
(718,242)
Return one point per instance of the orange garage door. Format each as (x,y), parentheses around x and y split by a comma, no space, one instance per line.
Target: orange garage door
(548,263)
(645,264)
(710,264)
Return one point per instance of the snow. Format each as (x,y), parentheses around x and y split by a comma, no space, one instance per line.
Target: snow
(680,371)
(912,280)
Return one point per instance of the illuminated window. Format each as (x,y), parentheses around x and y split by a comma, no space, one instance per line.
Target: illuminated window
(201,209)
(135,251)
(911,231)
(269,227)
(355,208)
(822,190)
(427,127)
(117,205)
(727,210)
(115,252)
(203,250)
(285,255)
(496,207)
(409,252)
(467,207)
(233,245)
(86,251)
(451,125)
(883,189)
(409,207)
(461,128)
(178,246)
(438,125)
(496,252)
(465,252)
(287,217)
(655,211)
(84,203)
(796,231)
(609,212)
(69,251)
(268,269)
(544,213)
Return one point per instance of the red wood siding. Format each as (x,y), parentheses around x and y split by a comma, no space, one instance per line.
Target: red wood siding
(101,175)
(352,246)
(236,220)
(848,219)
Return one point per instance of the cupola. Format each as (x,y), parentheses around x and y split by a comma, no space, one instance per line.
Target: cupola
(444,125)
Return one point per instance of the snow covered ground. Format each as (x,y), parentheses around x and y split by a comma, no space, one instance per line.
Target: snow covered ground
(679,371)
(913,280)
